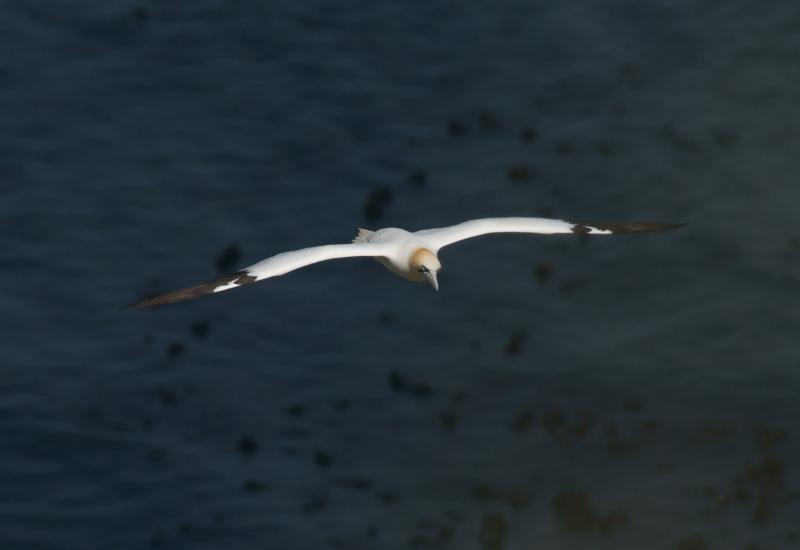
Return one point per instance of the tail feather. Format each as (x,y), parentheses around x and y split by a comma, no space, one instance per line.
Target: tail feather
(363,235)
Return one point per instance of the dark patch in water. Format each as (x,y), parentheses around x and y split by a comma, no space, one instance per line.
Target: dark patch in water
(432,533)
(337,543)
(253,486)
(768,479)
(199,329)
(515,343)
(726,138)
(387,318)
(175,349)
(488,121)
(604,148)
(692,542)
(376,203)
(456,128)
(768,438)
(760,485)
(568,286)
(157,454)
(519,173)
(295,411)
(315,505)
(553,422)
(615,442)
(564,148)
(167,396)
(633,405)
(247,445)
(494,531)
(679,141)
(322,459)
(140,14)
(543,272)
(402,384)
(418,178)
(228,258)
(159,537)
(717,432)
(484,492)
(342,405)
(528,135)
(576,514)
(519,500)
(574,510)
(355,483)
(523,422)
(650,425)
(630,75)
(449,420)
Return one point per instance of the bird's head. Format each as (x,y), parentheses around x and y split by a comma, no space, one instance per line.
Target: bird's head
(425,262)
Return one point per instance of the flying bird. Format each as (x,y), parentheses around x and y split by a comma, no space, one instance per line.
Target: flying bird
(411,255)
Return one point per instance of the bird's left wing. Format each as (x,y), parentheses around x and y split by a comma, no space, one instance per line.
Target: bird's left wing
(280,264)
(444,236)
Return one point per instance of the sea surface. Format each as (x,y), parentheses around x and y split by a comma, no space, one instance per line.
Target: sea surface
(628,392)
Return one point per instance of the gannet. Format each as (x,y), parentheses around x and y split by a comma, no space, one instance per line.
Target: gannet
(411,255)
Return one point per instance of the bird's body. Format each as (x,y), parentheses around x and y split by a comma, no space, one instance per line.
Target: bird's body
(405,250)
(411,255)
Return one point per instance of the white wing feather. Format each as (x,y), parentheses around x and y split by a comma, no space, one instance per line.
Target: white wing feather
(444,236)
(283,263)
(279,264)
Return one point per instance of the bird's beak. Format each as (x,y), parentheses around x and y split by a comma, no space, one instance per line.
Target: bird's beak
(431,276)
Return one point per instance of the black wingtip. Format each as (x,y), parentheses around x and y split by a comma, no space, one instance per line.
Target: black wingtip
(139,304)
(632,227)
(145,302)
(237,279)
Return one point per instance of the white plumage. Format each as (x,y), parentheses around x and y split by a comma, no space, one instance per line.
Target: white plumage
(412,255)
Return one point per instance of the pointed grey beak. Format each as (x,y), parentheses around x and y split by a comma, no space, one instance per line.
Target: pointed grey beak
(431,276)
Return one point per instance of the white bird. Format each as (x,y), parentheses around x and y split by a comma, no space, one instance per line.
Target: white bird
(411,255)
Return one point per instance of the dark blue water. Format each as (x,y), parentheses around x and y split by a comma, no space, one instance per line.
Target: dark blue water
(627,392)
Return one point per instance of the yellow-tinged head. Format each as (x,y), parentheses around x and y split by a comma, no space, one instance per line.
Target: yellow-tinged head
(425,262)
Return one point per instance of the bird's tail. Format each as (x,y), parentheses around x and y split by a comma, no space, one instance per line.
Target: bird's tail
(363,235)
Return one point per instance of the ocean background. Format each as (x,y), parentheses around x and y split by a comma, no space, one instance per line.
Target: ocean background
(626,392)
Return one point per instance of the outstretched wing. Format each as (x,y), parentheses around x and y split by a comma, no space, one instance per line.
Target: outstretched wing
(443,236)
(280,264)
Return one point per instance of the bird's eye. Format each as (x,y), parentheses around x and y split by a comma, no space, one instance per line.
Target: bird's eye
(423,269)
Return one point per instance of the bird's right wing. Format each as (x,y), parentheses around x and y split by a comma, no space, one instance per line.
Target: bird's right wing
(444,236)
(280,264)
